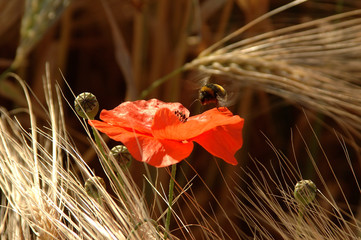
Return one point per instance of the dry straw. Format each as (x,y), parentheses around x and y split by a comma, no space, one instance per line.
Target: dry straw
(277,214)
(43,197)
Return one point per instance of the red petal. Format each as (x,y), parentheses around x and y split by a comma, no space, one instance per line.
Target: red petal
(167,126)
(162,152)
(137,115)
(146,148)
(223,142)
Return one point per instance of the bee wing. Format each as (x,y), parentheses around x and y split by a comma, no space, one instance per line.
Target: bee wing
(197,79)
(227,101)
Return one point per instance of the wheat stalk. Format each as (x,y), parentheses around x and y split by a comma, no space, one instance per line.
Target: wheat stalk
(314,64)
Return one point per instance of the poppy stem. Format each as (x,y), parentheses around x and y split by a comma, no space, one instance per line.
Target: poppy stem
(116,179)
(98,142)
(170,200)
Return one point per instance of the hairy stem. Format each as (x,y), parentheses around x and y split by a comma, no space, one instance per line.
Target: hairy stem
(170,200)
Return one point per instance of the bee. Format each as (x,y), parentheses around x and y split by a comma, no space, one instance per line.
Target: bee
(212,93)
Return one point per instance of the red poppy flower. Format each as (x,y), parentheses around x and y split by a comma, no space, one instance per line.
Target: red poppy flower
(162,134)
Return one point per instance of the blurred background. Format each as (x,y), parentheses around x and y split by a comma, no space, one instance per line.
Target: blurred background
(118,48)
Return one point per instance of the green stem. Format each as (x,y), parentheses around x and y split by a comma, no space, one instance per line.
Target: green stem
(160,81)
(170,200)
(119,184)
(97,141)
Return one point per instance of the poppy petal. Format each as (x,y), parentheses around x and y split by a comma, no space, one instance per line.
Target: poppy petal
(146,148)
(223,141)
(155,152)
(137,115)
(167,126)
(166,152)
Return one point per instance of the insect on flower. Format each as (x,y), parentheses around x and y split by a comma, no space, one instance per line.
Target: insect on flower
(162,134)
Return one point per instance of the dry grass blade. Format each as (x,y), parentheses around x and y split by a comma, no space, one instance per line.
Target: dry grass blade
(270,210)
(42,197)
(314,64)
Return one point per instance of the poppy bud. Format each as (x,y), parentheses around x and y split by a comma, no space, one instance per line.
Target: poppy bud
(121,154)
(305,192)
(91,187)
(86,105)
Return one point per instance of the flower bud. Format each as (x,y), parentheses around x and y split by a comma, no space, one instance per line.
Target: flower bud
(86,105)
(305,192)
(91,187)
(121,154)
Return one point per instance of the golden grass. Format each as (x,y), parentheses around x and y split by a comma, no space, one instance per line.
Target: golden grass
(304,57)
(270,213)
(46,199)
(42,196)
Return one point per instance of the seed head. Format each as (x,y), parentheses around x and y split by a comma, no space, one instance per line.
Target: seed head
(91,187)
(86,105)
(121,154)
(305,192)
